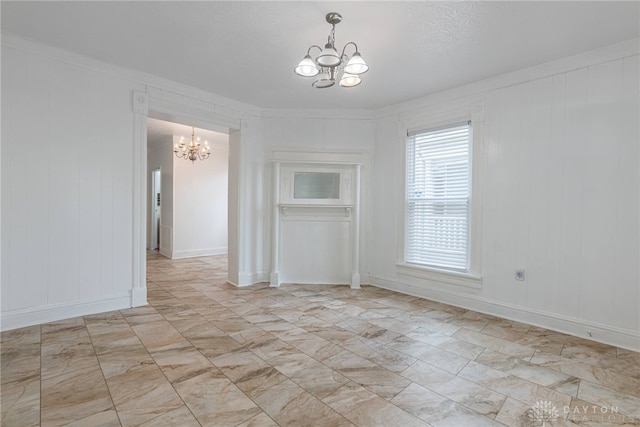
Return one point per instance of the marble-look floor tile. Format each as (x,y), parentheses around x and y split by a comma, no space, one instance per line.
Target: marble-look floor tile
(365,408)
(65,356)
(108,418)
(512,386)
(20,402)
(473,396)
(288,404)
(552,379)
(317,348)
(19,362)
(260,420)
(436,409)
(181,362)
(495,344)
(156,335)
(119,360)
(73,396)
(514,414)
(588,414)
(250,373)
(595,374)
(608,398)
(204,352)
(141,394)
(20,337)
(216,401)
(177,417)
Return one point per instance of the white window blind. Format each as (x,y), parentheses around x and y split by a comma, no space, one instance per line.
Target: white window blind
(438,192)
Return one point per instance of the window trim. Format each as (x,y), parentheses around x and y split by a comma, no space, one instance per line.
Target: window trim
(473,277)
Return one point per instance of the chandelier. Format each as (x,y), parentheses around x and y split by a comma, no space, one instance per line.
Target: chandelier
(328,64)
(192,151)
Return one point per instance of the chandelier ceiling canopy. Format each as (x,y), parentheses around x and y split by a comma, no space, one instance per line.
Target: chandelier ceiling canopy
(192,150)
(328,65)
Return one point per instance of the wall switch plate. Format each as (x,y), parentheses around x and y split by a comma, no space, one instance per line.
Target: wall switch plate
(519,274)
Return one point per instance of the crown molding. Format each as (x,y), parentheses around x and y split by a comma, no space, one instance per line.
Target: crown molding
(231,107)
(586,59)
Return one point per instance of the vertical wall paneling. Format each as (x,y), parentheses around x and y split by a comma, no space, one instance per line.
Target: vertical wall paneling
(601,149)
(571,211)
(490,202)
(541,187)
(64,179)
(626,281)
(121,133)
(14,188)
(506,187)
(90,169)
(525,107)
(552,167)
(38,98)
(37,184)
(66,200)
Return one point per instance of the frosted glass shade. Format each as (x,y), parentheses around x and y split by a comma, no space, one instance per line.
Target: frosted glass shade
(324,80)
(328,57)
(307,68)
(350,80)
(356,65)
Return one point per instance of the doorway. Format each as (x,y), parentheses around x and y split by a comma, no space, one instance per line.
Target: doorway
(187,200)
(155,211)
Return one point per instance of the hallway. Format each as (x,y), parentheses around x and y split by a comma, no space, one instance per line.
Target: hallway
(206,353)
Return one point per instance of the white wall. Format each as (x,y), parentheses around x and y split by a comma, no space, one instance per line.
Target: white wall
(67,190)
(561,187)
(561,199)
(200,203)
(74,179)
(160,156)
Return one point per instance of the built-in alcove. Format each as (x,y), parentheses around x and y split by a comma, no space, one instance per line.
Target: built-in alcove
(316,218)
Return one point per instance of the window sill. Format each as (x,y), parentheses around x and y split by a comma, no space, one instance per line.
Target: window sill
(469,280)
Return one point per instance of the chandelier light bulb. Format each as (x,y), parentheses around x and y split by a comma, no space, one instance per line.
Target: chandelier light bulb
(350,80)
(307,68)
(356,65)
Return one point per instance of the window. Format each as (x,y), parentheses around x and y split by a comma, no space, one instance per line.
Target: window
(438,190)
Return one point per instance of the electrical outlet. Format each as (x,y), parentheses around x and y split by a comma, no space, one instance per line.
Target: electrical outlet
(519,274)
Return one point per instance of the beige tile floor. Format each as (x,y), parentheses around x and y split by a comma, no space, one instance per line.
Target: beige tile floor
(205,353)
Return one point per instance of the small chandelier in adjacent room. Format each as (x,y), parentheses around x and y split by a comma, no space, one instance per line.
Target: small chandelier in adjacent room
(192,151)
(328,64)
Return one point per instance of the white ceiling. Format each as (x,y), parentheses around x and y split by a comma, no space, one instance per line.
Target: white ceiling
(247,50)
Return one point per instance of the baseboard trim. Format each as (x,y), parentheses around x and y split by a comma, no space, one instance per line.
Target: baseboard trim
(248,279)
(606,334)
(139,297)
(198,253)
(21,318)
